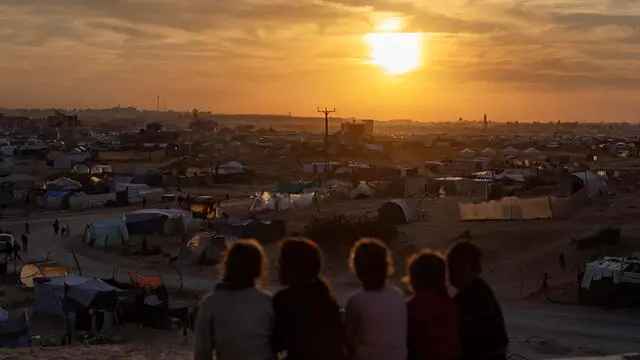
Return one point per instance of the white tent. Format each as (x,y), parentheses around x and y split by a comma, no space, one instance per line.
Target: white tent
(467,152)
(510,151)
(595,184)
(396,211)
(489,152)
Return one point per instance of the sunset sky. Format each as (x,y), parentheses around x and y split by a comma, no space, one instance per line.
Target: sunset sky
(515,60)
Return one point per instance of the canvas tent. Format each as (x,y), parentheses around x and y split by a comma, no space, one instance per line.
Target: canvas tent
(105,233)
(207,248)
(488,152)
(277,201)
(509,208)
(509,151)
(32,271)
(395,211)
(63,184)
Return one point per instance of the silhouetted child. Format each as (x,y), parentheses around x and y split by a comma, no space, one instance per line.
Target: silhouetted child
(376,315)
(482,331)
(431,313)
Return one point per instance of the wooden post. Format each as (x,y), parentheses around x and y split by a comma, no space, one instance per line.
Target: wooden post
(75,258)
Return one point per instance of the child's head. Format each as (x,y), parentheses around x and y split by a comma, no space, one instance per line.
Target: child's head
(464,260)
(244,264)
(371,261)
(427,271)
(300,260)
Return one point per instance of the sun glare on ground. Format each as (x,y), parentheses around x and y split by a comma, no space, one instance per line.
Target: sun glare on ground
(396,52)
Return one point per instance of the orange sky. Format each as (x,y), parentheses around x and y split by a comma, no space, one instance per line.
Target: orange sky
(523,60)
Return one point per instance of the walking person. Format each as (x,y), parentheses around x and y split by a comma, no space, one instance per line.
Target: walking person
(25,243)
(26,227)
(480,321)
(236,320)
(376,315)
(431,313)
(308,318)
(56,227)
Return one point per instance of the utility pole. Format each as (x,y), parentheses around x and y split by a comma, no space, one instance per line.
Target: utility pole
(158,103)
(326,113)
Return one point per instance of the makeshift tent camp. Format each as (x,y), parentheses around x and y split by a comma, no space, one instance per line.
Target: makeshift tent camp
(261,230)
(106,233)
(295,187)
(32,271)
(396,211)
(156,221)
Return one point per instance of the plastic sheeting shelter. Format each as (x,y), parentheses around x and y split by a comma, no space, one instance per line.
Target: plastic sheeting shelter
(595,184)
(107,233)
(510,208)
(467,153)
(395,211)
(158,221)
(205,248)
(32,271)
(488,152)
(63,183)
(14,332)
(510,151)
(83,293)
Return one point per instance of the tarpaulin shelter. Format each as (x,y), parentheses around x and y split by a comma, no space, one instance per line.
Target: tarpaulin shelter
(44,269)
(19,181)
(207,248)
(595,184)
(14,332)
(61,295)
(510,208)
(63,183)
(261,230)
(295,187)
(157,221)
(278,201)
(395,211)
(105,233)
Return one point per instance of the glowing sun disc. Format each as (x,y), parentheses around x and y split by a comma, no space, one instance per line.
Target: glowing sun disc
(397,53)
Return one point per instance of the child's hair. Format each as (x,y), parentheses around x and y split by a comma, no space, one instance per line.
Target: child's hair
(300,259)
(426,270)
(244,264)
(371,261)
(465,253)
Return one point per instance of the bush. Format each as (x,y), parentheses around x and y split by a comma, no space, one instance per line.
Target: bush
(344,230)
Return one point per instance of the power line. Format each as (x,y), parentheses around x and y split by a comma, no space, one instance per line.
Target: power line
(326,113)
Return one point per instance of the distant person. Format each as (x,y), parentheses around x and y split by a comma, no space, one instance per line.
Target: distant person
(236,320)
(376,315)
(482,331)
(63,231)
(26,227)
(68,230)
(16,251)
(144,203)
(563,262)
(308,318)
(545,281)
(227,197)
(431,313)
(56,227)
(25,243)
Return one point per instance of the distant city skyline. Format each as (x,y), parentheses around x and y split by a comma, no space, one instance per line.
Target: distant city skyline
(544,60)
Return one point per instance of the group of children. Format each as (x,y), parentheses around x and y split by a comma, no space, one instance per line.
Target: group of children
(239,320)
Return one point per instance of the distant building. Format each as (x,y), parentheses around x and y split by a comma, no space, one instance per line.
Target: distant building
(16,122)
(62,121)
(365,127)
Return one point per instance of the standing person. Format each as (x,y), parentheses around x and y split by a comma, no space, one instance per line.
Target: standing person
(308,319)
(563,262)
(68,230)
(56,227)
(376,315)
(431,313)
(63,231)
(26,227)
(236,320)
(482,331)
(144,203)
(25,243)
(16,251)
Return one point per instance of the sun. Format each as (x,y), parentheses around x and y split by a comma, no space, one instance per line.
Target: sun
(396,52)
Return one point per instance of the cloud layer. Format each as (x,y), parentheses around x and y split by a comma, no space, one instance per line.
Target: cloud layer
(281,56)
